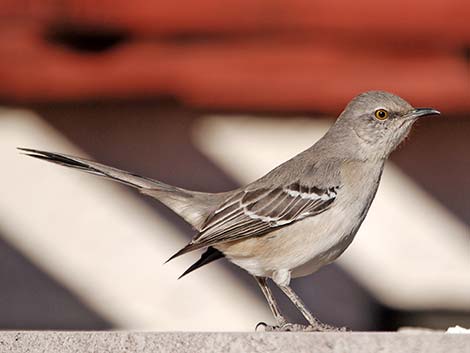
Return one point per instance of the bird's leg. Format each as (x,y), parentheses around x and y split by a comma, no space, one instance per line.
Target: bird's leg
(314,323)
(295,299)
(280,319)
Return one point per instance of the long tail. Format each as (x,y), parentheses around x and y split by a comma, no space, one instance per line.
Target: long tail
(121,176)
(192,206)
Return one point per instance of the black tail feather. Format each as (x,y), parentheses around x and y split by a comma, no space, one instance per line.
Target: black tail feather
(58,159)
(211,254)
(76,163)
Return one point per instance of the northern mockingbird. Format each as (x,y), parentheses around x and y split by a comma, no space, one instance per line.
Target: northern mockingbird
(297,218)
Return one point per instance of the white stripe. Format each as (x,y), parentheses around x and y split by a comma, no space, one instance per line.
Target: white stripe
(266,219)
(226,206)
(262,218)
(310,196)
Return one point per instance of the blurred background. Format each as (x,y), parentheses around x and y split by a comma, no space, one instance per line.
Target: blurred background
(208,95)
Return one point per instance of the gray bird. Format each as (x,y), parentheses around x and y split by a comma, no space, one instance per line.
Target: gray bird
(297,218)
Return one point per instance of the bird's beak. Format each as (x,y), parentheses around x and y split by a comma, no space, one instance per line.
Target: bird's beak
(421,112)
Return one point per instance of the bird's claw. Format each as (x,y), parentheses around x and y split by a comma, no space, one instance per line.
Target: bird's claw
(263,325)
(329,328)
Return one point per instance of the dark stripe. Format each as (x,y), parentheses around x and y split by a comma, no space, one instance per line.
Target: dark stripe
(270,209)
(294,187)
(298,205)
(266,201)
(317,190)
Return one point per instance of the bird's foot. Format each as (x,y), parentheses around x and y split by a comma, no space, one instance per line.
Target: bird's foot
(290,327)
(321,327)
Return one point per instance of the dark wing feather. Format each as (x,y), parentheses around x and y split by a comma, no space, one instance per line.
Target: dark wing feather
(257,212)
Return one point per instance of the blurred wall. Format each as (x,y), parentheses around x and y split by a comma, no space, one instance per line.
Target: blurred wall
(255,55)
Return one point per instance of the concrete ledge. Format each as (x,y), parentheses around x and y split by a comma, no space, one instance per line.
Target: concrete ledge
(121,341)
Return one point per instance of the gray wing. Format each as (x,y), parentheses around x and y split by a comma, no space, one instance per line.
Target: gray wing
(251,213)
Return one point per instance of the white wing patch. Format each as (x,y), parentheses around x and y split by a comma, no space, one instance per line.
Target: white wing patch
(311,196)
(275,221)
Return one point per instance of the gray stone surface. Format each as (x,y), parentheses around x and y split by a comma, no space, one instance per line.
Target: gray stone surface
(120,341)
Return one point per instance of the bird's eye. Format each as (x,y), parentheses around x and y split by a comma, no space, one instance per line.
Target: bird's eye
(381,114)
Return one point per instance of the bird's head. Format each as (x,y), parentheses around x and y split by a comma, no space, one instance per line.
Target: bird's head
(379,121)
